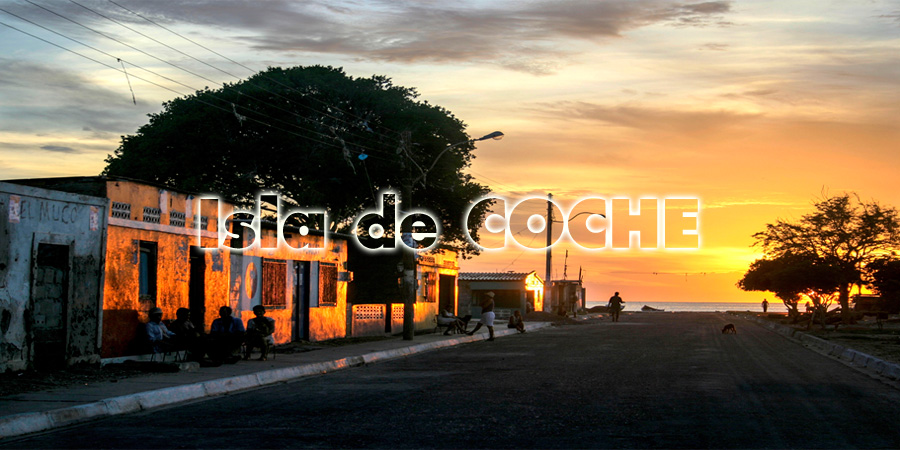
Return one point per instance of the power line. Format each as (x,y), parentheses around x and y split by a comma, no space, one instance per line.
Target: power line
(255,71)
(184,70)
(166,87)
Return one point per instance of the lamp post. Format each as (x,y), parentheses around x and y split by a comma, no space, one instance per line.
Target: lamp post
(548,291)
(408,285)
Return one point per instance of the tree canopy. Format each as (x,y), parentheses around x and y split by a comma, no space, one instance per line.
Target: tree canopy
(791,277)
(843,233)
(321,138)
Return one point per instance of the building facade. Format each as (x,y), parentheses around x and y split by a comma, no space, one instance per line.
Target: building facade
(51,277)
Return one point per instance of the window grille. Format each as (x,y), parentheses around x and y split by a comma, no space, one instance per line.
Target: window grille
(327,285)
(120,210)
(369,312)
(151,215)
(274,283)
(176,219)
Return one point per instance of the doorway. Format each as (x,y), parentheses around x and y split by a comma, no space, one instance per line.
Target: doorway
(302,286)
(197,288)
(447,293)
(49,303)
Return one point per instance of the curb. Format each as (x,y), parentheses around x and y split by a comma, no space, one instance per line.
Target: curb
(26,423)
(855,358)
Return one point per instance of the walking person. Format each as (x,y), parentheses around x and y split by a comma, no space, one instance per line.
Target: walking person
(487,315)
(615,305)
(765,305)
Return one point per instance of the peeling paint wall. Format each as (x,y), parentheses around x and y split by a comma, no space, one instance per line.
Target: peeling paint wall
(164,222)
(246,286)
(33,220)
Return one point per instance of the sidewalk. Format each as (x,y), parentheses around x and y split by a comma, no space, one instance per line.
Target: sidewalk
(862,361)
(39,411)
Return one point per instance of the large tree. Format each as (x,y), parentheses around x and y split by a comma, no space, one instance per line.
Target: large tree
(321,138)
(844,233)
(793,277)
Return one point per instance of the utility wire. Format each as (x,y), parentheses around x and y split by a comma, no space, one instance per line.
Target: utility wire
(255,71)
(170,89)
(184,70)
(207,64)
(173,80)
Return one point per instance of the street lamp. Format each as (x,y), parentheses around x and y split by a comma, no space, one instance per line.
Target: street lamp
(408,286)
(548,288)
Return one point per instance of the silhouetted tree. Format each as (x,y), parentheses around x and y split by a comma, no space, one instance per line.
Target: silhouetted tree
(319,137)
(793,277)
(885,277)
(841,234)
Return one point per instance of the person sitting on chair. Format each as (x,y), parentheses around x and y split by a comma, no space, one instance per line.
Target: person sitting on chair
(515,321)
(187,336)
(159,337)
(453,323)
(259,333)
(226,335)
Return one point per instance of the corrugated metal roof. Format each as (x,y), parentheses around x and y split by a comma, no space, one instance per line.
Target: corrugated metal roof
(493,276)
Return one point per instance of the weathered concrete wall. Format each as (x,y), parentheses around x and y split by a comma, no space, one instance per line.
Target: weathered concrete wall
(124,313)
(30,217)
(325,321)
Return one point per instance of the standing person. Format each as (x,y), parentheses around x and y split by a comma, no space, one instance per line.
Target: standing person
(615,305)
(765,305)
(487,315)
(226,335)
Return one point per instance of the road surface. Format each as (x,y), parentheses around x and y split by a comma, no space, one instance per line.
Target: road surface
(652,380)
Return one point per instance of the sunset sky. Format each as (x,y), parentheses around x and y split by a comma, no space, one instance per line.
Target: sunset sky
(758,108)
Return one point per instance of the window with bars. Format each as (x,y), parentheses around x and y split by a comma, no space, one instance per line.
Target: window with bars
(274,283)
(176,219)
(204,222)
(151,215)
(327,284)
(120,210)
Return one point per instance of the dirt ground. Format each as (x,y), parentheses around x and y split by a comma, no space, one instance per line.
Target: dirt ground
(865,336)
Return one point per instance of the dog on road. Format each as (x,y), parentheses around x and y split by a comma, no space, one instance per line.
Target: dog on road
(729,329)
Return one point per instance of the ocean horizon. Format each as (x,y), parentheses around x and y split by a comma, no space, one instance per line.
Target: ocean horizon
(634,306)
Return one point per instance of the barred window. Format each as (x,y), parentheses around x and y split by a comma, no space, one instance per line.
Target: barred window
(274,283)
(327,285)
(120,210)
(151,215)
(204,222)
(176,219)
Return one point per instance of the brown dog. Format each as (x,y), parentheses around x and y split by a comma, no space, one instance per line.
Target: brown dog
(729,329)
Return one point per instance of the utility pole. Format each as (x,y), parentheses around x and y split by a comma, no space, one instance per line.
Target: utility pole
(548,288)
(408,284)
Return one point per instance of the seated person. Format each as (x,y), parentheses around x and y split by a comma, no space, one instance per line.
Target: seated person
(453,323)
(226,335)
(515,321)
(159,337)
(259,333)
(187,336)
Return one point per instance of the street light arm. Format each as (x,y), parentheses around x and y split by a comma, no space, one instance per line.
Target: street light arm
(583,212)
(495,135)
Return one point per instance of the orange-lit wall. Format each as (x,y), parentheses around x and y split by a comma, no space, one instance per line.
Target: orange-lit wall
(325,322)
(122,311)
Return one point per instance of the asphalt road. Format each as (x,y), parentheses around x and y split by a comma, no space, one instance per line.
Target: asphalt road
(649,381)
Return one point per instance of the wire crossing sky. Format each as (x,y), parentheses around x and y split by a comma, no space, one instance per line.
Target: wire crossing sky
(756,107)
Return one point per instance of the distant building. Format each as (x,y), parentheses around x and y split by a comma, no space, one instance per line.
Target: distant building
(523,291)
(51,277)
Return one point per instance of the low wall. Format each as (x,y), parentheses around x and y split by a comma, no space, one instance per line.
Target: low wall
(368,320)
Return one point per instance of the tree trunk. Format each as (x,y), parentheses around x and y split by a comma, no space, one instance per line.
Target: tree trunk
(844,300)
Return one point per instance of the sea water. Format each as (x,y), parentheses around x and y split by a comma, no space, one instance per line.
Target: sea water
(697,306)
